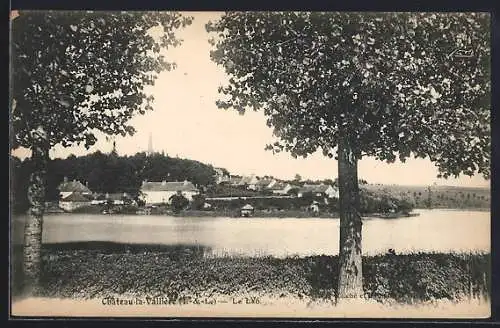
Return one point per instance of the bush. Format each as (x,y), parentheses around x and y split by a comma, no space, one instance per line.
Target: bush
(178,202)
(405,206)
(198,202)
(371,202)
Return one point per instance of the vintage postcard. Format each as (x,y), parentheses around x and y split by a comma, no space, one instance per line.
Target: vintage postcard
(250,164)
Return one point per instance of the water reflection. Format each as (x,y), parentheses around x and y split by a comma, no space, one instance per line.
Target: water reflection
(432,231)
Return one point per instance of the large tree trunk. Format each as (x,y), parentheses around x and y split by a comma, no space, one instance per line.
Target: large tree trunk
(350,283)
(33,228)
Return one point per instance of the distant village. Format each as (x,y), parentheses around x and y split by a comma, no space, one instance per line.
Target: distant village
(205,189)
(75,194)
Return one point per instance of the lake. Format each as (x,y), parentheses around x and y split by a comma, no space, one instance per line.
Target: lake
(431,231)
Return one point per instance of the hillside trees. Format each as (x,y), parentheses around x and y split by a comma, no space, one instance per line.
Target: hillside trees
(107,173)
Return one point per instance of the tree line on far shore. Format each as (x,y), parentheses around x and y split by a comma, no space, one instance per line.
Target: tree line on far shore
(111,173)
(437,196)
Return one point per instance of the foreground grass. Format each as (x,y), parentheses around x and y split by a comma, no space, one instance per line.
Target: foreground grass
(97,269)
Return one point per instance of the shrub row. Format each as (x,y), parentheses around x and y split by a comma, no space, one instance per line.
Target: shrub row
(90,270)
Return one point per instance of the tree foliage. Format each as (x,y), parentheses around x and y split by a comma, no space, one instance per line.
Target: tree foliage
(198,202)
(76,73)
(398,84)
(178,202)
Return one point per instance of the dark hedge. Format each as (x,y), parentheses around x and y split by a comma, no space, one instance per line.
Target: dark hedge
(99,269)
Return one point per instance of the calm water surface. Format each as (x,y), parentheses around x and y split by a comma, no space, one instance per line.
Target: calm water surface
(432,230)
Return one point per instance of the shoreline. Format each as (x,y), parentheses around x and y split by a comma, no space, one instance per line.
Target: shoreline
(265,214)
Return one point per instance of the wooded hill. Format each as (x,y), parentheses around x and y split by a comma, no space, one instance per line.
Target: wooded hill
(108,173)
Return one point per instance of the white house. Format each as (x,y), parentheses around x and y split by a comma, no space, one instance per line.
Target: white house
(74,201)
(160,192)
(67,188)
(249,181)
(319,190)
(221,175)
(289,187)
(261,184)
(234,180)
(281,188)
(277,187)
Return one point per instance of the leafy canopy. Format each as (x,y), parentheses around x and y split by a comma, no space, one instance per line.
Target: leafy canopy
(394,84)
(76,73)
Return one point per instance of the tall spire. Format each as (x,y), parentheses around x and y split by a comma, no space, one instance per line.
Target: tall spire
(150,144)
(113,151)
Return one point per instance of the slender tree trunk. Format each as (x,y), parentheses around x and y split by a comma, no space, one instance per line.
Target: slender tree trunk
(350,283)
(33,228)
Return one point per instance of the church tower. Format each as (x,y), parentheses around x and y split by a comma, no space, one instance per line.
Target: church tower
(150,145)
(113,151)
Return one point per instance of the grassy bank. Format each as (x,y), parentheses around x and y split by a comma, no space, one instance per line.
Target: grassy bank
(99,269)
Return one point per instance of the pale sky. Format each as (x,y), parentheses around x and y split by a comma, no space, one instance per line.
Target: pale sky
(186,122)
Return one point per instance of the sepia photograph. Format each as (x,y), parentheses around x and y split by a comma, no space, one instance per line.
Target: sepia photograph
(263,164)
